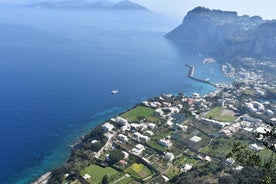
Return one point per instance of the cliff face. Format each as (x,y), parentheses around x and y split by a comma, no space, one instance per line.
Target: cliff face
(224,33)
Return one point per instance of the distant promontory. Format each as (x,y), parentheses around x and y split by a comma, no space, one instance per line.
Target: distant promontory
(89,4)
(225,34)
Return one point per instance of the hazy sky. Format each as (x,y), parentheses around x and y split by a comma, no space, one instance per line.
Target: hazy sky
(179,8)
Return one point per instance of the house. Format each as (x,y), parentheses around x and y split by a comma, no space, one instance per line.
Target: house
(150,133)
(121,121)
(139,146)
(107,127)
(166,179)
(94,141)
(195,139)
(158,112)
(269,112)
(165,142)
(137,135)
(186,167)
(167,104)
(144,138)
(256,147)
(209,159)
(140,137)
(86,176)
(169,156)
(122,162)
(125,128)
(151,126)
(138,149)
(143,126)
(181,127)
(196,95)
(123,138)
(229,161)
(135,126)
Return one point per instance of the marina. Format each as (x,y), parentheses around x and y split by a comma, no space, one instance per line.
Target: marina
(191,75)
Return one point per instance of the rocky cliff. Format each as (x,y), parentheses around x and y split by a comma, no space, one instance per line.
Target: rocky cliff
(225,34)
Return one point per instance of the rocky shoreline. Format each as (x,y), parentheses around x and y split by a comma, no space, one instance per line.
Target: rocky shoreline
(43,179)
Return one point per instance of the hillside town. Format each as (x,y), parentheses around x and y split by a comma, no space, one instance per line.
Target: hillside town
(164,137)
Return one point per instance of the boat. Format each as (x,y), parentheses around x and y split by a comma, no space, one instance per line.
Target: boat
(113,92)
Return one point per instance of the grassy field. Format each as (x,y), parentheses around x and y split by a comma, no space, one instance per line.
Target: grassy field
(220,147)
(221,114)
(138,171)
(154,144)
(139,113)
(171,172)
(126,180)
(97,173)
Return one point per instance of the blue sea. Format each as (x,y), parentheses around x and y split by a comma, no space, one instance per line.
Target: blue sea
(57,69)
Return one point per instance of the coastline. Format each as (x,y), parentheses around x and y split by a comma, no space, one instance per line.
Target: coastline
(43,179)
(218,111)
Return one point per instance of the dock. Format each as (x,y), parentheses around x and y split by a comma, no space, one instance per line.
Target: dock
(191,75)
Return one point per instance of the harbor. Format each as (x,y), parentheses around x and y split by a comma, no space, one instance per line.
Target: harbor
(191,75)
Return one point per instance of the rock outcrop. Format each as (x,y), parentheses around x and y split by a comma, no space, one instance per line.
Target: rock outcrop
(225,34)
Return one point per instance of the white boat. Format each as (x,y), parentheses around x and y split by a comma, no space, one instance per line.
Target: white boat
(113,92)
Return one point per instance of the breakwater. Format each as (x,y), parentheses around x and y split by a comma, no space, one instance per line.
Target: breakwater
(191,75)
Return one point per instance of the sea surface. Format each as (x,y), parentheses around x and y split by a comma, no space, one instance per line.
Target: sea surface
(57,69)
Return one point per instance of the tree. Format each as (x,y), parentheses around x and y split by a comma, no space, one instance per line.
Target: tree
(268,137)
(105,180)
(115,156)
(254,166)
(57,176)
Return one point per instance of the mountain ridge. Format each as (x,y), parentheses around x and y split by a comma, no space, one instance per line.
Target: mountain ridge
(84,4)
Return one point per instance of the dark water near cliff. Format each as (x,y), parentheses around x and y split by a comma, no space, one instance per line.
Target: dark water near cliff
(57,69)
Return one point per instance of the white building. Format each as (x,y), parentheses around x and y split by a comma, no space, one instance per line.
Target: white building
(121,121)
(151,126)
(169,156)
(256,147)
(123,138)
(108,127)
(186,167)
(195,138)
(138,149)
(150,133)
(165,142)
(135,126)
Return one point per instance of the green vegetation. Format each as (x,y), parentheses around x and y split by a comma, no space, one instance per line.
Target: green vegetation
(105,179)
(155,145)
(200,173)
(254,165)
(115,156)
(172,172)
(219,147)
(97,173)
(139,113)
(184,160)
(138,171)
(126,180)
(160,135)
(221,114)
